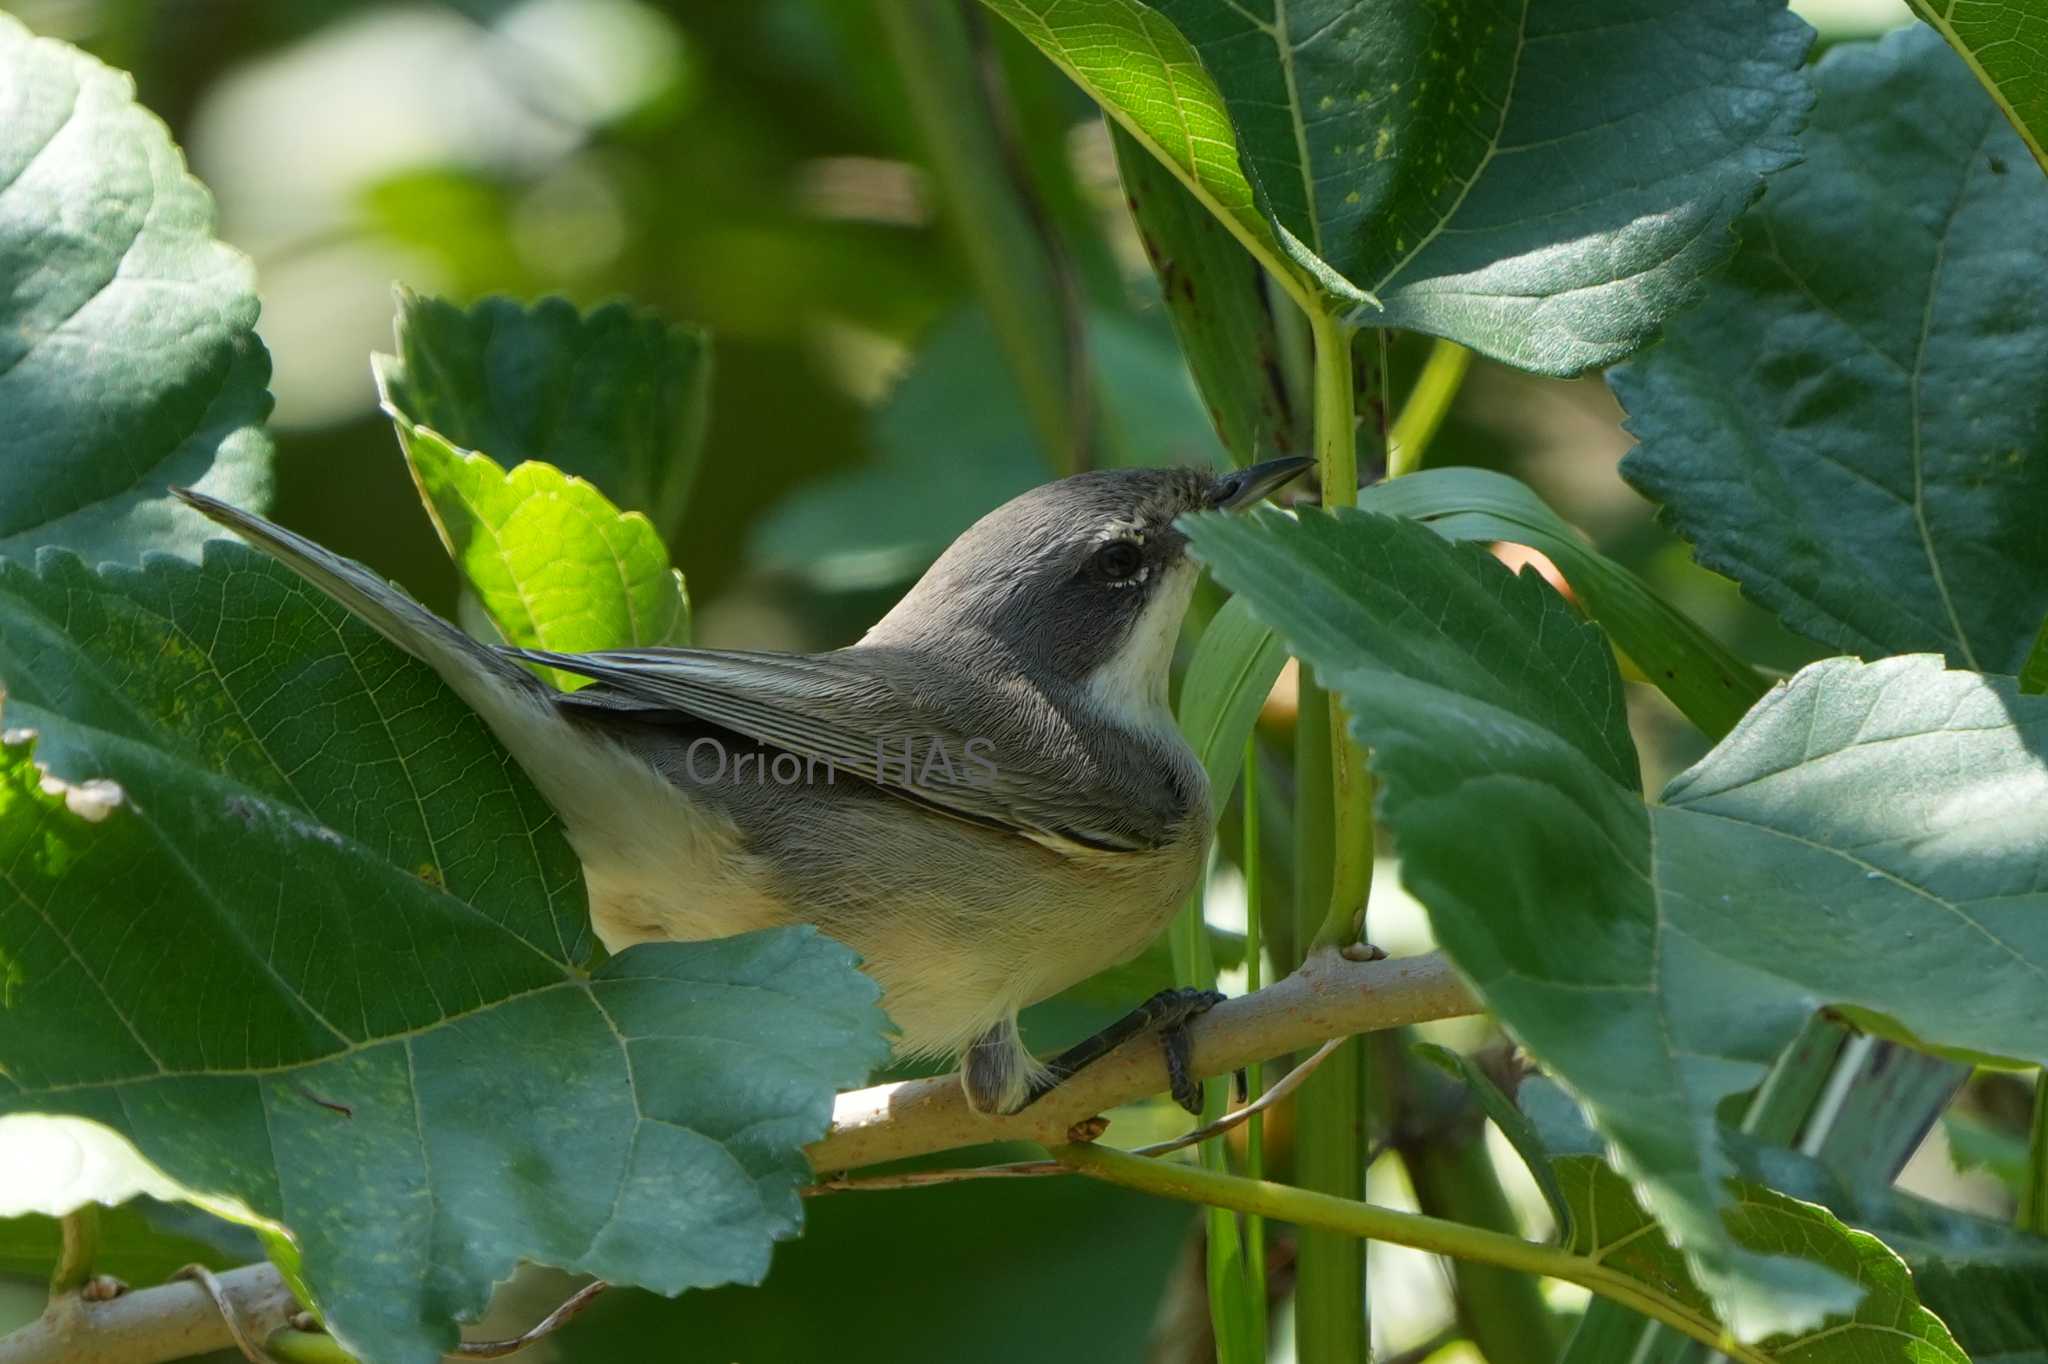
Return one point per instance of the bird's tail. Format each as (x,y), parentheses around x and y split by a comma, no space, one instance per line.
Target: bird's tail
(482,676)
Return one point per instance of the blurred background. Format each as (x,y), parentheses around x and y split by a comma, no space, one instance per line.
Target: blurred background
(757,167)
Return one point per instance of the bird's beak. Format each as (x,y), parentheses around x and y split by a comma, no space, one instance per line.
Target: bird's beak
(1244,487)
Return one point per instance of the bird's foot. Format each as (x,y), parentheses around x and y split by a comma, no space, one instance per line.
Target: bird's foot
(1167,1013)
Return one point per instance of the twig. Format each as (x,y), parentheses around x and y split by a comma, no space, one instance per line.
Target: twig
(497,1349)
(210,1281)
(1289,1082)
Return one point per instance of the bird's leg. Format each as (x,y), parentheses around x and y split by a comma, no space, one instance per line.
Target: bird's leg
(1167,1012)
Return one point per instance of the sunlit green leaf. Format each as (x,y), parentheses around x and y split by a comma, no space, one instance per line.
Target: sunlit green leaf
(2006,44)
(1849,426)
(128,356)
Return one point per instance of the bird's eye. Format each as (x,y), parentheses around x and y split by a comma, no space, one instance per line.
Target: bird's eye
(1118,561)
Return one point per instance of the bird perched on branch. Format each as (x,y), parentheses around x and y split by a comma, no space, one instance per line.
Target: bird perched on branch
(987,797)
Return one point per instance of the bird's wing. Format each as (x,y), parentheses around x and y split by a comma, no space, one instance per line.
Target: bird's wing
(842,710)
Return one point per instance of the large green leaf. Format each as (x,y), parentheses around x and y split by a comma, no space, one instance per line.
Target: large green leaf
(1544,183)
(1222,309)
(2006,44)
(314,947)
(616,395)
(1854,426)
(554,564)
(1702,676)
(1873,837)
(128,356)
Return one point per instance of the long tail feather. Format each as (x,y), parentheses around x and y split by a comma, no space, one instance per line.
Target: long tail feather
(479,674)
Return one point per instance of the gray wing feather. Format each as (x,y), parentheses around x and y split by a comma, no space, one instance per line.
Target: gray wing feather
(845,710)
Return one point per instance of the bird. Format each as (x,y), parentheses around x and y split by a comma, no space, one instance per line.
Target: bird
(986,797)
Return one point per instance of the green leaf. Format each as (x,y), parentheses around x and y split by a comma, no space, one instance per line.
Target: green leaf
(616,395)
(554,564)
(1842,426)
(312,946)
(2005,43)
(1706,680)
(128,356)
(1610,1225)
(1544,183)
(1221,307)
(1235,664)
(141,1242)
(1512,1124)
(1873,837)
(1139,68)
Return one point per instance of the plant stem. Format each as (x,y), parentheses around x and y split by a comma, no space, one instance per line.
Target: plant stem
(80,1230)
(2033,1215)
(1255,1077)
(1350,783)
(1304,1207)
(1426,406)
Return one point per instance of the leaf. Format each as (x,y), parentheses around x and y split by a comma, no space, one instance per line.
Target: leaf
(1512,1124)
(139,1243)
(1871,837)
(2005,43)
(1139,68)
(1610,1226)
(616,395)
(1234,665)
(1848,426)
(128,356)
(1544,183)
(1222,312)
(1706,680)
(311,944)
(554,564)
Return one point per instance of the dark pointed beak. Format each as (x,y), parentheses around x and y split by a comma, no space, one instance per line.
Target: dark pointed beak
(1244,487)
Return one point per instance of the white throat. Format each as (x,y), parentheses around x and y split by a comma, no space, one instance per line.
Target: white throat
(1129,688)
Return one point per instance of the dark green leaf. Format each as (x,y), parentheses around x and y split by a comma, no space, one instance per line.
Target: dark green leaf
(1851,426)
(1222,310)
(137,1243)
(1544,183)
(313,946)
(616,395)
(1704,679)
(1512,1124)
(2006,44)
(1873,837)
(128,356)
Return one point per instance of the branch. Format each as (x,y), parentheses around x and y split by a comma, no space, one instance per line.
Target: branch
(1328,997)
(152,1325)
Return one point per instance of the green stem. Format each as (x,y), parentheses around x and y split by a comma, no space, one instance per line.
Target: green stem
(1255,1073)
(1011,251)
(1304,1207)
(1350,784)
(2034,1196)
(288,1346)
(80,1230)
(1426,406)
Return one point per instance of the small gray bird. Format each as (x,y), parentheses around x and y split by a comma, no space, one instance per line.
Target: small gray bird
(987,797)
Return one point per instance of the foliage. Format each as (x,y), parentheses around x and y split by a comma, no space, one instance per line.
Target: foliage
(286,936)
